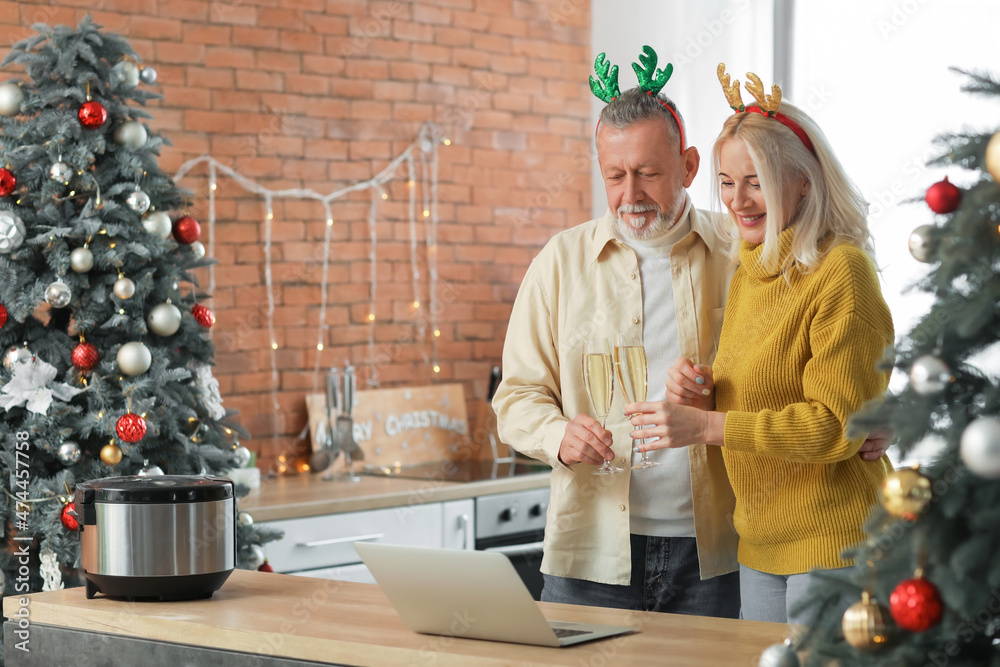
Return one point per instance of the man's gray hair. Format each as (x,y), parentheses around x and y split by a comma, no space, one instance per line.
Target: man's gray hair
(635,105)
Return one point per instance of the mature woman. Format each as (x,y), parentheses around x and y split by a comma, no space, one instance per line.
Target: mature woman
(805,325)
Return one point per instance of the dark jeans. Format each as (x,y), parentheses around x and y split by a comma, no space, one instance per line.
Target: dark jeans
(665,577)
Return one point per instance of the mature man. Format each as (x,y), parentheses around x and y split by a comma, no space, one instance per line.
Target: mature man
(657,539)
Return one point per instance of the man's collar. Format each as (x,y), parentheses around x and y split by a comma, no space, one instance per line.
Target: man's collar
(701,224)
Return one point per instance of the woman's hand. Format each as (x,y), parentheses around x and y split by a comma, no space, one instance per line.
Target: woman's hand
(691,384)
(675,425)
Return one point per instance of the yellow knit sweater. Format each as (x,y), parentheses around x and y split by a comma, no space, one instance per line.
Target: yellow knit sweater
(794,362)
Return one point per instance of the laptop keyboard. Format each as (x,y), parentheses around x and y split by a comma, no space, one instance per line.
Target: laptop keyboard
(569,632)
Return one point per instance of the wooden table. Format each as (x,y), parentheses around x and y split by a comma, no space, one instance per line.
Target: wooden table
(298,619)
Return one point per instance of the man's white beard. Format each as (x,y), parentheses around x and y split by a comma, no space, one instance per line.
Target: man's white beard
(659,225)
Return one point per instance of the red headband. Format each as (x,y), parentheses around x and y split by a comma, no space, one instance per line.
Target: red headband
(677,118)
(767,105)
(787,122)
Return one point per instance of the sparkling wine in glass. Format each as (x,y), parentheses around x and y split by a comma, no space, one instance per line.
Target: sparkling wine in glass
(598,377)
(631,369)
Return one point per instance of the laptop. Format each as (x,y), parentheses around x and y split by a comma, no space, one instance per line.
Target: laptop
(470,594)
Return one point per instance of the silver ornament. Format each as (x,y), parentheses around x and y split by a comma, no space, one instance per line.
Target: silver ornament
(779,655)
(69,453)
(134,358)
(12,232)
(256,556)
(148,75)
(158,223)
(920,243)
(242,456)
(138,201)
(980,447)
(126,74)
(244,519)
(16,355)
(61,172)
(164,319)
(929,375)
(58,294)
(124,288)
(131,134)
(150,470)
(197,249)
(81,260)
(11,97)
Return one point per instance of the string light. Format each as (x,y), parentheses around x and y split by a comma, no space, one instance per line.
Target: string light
(372,259)
(319,346)
(371,317)
(416,304)
(437,333)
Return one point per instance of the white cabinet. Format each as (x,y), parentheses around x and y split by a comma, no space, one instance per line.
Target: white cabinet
(323,546)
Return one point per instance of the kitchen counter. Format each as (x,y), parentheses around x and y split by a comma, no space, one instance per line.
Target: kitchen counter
(291,621)
(293,497)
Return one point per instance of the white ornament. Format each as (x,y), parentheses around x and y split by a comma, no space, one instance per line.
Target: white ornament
(11,97)
(779,655)
(197,249)
(920,243)
(134,358)
(58,294)
(131,134)
(61,173)
(69,452)
(256,556)
(242,455)
(208,387)
(244,519)
(50,571)
(16,355)
(12,232)
(980,447)
(81,260)
(164,319)
(148,75)
(150,470)
(158,223)
(124,288)
(138,201)
(32,386)
(929,375)
(125,73)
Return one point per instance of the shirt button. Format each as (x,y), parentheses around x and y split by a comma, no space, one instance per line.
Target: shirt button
(621,507)
(635,320)
(621,460)
(631,276)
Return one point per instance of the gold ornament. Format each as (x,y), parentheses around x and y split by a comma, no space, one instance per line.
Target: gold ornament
(906,493)
(993,157)
(111,454)
(864,624)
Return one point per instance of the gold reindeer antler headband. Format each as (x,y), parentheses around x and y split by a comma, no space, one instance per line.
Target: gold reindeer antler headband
(767,105)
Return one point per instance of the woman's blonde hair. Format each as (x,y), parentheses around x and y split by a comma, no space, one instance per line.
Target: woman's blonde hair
(833,205)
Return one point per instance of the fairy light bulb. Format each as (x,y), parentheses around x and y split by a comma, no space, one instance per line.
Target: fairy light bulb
(329,222)
(385,195)
(446,141)
(371,317)
(274,345)
(437,333)
(270,216)
(437,369)
(427,213)
(319,346)
(416,304)
(214,187)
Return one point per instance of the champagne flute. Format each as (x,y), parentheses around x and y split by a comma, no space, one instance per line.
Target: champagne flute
(599,380)
(631,369)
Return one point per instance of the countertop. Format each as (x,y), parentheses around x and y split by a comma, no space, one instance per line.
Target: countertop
(348,623)
(293,497)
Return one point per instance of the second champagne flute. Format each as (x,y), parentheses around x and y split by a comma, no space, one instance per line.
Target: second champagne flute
(631,369)
(599,380)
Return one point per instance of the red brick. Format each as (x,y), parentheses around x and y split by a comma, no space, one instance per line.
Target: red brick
(265,38)
(427,13)
(233,12)
(209,77)
(256,80)
(216,56)
(302,42)
(157,28)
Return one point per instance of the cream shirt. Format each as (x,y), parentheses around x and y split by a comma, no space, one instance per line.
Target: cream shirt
(585,283)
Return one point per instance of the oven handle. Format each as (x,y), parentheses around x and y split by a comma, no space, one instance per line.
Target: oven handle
(516,550)
(342,540)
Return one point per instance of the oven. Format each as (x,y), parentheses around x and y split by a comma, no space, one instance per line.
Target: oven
(514,524)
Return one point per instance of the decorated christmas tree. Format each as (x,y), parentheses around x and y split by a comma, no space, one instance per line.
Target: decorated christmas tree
(106,349)
(927,581)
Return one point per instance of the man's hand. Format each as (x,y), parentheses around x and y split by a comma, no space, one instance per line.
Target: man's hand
(585,441)
(875,444)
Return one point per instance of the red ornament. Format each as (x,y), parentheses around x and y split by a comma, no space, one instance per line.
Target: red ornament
(186,230)
(265,567)
(85,356)
(916,605)
(68,517)
(203,315)
(131,427)
(3,315)
(92,114)
(943,196)
(7,182)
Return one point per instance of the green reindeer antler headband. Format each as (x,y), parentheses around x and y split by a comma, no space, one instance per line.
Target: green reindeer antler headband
(651,81)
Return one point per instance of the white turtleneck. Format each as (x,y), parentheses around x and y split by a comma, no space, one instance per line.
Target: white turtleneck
(660,497)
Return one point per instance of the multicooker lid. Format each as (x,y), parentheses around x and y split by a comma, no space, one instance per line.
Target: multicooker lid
(156,489)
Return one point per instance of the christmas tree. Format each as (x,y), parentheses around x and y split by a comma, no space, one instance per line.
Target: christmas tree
(106,353)
(927,580)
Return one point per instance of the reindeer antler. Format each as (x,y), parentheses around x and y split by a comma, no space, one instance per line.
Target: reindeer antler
(732,92)
(650,80)
(768,103)
(605,86)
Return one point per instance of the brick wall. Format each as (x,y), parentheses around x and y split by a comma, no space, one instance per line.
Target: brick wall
(318,94)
